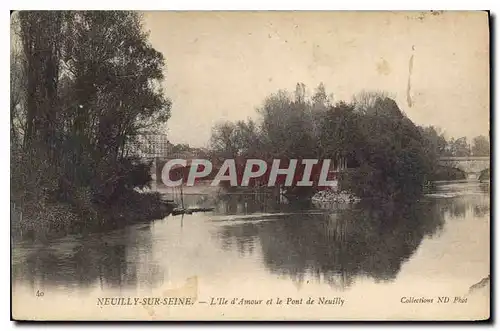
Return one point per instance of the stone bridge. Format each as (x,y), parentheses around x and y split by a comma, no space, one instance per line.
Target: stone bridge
(471,165)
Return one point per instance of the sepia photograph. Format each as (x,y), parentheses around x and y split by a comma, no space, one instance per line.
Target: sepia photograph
(250,165)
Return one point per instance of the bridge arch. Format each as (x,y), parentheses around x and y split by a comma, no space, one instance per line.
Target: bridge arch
(473,166)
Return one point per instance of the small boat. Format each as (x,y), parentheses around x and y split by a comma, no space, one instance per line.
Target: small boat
(189,211)
(180,211)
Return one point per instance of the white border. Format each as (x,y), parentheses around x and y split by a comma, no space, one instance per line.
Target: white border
(189,5)
(255,5)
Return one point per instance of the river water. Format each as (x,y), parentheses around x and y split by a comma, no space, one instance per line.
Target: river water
(374,258)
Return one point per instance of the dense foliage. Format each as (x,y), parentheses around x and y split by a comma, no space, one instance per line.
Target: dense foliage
(388,156)
(83,85)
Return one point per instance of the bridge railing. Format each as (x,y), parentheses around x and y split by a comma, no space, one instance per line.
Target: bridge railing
(464,158)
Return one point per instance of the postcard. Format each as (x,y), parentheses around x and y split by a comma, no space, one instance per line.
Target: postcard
(250,165)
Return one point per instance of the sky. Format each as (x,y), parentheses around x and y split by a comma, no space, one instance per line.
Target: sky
(221,65)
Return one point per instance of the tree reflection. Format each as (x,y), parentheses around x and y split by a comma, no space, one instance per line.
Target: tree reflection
(459,207)
(122,259)
(253,203)
(243,237)
(337,247)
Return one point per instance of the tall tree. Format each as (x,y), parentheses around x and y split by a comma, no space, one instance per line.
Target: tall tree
(459,147)
(92,84)
(41,38)
(390,151)
(287,126)
(223,141)
(480,146)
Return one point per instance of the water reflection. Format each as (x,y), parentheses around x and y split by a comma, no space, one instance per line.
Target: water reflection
(294,240)
(337,247)
(119,259)
(465,206)
(237,204)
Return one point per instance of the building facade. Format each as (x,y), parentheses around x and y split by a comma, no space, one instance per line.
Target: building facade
(150,146)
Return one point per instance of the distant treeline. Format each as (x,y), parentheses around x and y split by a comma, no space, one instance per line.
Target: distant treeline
(480,145)
(83,84)
(388,156)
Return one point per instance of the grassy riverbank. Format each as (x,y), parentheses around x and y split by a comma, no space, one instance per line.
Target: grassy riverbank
(53,220)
